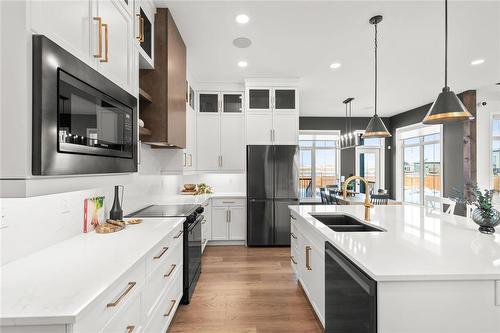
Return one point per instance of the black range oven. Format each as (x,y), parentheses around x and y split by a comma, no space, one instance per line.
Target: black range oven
(82,122)
(191,239)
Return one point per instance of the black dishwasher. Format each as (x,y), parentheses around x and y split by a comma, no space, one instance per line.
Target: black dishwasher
(350,295)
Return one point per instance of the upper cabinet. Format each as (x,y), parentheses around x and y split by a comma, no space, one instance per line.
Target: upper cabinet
(144,11)
(97,32)
(165,115)
(273,113)
(220,134)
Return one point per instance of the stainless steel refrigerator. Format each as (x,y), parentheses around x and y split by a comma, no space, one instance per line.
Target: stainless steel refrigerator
(272,185)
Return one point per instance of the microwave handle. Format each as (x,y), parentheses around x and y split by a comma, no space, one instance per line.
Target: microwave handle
(360,280)
(139,152)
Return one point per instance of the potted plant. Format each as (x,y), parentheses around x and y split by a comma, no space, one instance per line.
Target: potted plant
(484,215)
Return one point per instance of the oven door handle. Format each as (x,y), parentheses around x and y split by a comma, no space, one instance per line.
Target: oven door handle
(362,281)
(196,222)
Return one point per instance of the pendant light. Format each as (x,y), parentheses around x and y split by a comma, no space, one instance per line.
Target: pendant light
(447,107)
(376,127)
(349,139)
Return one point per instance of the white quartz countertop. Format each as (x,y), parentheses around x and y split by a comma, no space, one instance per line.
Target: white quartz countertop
(54,285)
(416,246)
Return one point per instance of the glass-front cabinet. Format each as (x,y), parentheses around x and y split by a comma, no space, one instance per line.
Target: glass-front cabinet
(284,99)
(209,102)
(259,99)
(232,103)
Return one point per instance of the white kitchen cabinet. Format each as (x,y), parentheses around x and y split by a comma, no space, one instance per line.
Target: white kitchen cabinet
(220,132)
(229,221)
(144,16)
(208,142)
(308,262)
(232,142)
(237,227)
(272,115)
(69,24)
(259,128)
(190,151)
(116,42)
(206,225)
(219,223)
(286,129)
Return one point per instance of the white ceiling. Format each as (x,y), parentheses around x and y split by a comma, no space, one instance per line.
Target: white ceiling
(300,39)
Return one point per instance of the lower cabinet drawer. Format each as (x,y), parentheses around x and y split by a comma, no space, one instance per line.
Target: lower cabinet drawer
(165,310)
(112,301)
(161,279)
(128,320)
(157,256)
(228,202)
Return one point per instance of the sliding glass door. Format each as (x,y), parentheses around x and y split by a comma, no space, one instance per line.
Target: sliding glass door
(421,168)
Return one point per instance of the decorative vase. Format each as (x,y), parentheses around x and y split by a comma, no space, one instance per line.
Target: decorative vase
(486,225)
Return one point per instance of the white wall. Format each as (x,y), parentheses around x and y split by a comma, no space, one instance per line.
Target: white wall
(484,113)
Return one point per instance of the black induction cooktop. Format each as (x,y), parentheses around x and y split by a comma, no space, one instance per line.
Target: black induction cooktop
(165,211)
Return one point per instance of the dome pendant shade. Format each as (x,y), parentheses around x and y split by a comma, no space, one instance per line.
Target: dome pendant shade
(376,129)
(447,108)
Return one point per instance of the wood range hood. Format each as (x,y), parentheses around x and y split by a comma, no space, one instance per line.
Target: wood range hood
(165,113)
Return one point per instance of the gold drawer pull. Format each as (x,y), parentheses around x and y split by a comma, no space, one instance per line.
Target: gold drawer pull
(293,260)
(106,48)
(170,271)
(179,234)
(308,259)
(139,17)
(293,235)
(171,308)
(161,253)
(142,30)
(99,42)
(118,300)
(130,328)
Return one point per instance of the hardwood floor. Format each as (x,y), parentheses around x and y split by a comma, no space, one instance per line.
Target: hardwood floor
(251,290)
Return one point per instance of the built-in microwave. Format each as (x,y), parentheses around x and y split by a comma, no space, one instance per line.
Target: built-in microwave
(82,122)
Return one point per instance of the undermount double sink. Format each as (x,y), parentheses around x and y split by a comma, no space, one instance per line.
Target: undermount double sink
(345,223)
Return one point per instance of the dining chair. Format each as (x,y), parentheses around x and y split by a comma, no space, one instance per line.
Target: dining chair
(379,199)
(322,193)
(439,205)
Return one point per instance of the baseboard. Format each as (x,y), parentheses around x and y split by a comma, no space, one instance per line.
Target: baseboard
(228,242)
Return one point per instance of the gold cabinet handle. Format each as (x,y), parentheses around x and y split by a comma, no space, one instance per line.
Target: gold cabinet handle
(292,258)
(99,42)
(106,46)
(179,234)
(142,29)
(308,258)
(170,271)
(139,17)
(118,300)
(161,253)
(293,235)
(130,328)
(171,308)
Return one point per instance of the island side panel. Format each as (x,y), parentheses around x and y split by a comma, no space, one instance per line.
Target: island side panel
(437,307)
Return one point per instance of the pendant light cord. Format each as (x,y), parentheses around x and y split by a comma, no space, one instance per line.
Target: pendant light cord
(350,117)
(446,43)
(376,61)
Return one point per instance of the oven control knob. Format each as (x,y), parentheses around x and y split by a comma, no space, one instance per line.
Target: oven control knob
(200,210)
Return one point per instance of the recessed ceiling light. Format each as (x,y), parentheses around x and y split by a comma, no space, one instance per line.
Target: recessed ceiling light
(242,42)
(477,62)
(242,63)
(335,65)
(242,19)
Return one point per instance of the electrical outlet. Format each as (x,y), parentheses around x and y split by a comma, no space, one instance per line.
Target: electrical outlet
(65,206)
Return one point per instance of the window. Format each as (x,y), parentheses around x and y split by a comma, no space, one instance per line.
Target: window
(495,154)
(318,162)
(421,167)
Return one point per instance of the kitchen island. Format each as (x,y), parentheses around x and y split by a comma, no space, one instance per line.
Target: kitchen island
(432,273)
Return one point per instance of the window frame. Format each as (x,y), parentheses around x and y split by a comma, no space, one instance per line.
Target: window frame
(493,116)
(313,149)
